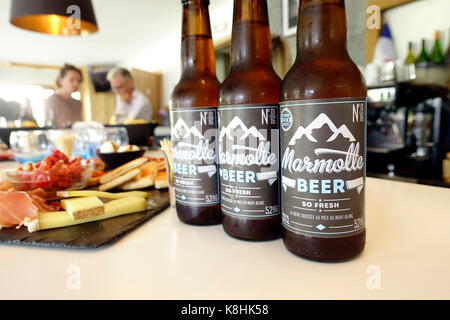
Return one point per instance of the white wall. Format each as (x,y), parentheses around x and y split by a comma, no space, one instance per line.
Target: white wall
(16,75)
(164,56)
(416,21)
(221,14)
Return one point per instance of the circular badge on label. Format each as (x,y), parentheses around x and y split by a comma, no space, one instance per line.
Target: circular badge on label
(286,119)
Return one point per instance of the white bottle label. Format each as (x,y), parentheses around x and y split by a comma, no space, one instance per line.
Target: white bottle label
(194,156)
(323,145)
(249,160)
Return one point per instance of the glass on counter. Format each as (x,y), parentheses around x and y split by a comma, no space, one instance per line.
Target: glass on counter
(35,145)
(63,140)
(90,140)
(30,146)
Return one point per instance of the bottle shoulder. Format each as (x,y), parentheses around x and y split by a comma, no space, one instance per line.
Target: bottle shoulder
(323,78)
(195,92)
(255,86)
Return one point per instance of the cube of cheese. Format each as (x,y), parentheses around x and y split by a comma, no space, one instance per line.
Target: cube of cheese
(84,207)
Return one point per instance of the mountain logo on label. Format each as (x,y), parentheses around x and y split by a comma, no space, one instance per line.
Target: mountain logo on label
(237,123)
(321,120)
(183,131)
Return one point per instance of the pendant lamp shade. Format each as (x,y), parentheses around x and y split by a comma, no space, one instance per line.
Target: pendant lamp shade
(57,17)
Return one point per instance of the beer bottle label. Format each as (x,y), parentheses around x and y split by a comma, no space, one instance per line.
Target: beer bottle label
(194,134)
(323,166)
(248,146)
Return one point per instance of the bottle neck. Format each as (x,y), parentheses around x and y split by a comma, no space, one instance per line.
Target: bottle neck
(437,36)
(423,45)
(251,42)
(322,28)
(197,50)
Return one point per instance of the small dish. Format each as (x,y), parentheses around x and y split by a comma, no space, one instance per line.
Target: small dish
(116,159)
(60,177)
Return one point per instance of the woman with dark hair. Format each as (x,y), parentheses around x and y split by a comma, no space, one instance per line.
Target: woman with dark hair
(61,109)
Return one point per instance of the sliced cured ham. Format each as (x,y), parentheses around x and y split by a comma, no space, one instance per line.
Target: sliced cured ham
(41,199)
(16,208)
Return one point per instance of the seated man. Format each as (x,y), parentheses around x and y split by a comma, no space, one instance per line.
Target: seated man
(131,103)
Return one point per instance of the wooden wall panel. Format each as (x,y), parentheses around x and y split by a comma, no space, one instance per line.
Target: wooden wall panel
(97,106)
(150,84)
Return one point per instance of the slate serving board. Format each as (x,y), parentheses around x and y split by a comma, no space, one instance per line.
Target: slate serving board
(88,235)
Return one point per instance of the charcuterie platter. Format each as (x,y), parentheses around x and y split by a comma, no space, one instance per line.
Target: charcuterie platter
(88,235)
(78,204)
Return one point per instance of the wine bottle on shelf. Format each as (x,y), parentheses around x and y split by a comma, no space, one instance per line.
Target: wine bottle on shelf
(447,55)
(410,57)
(423,56)
(437,55)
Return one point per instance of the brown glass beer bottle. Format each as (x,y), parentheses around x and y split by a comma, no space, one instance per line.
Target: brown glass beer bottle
(322,128)
(194,121)
(248,132)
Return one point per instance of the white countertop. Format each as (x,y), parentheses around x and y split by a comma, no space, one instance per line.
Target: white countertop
(408,241)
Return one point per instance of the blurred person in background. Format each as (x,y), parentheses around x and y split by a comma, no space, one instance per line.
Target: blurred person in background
(9,110)
(131,103)
(61,109)
(26,114)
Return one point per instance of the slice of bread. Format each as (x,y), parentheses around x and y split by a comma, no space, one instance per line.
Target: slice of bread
(150,169)
(161,181)
(147,177)
(119,180)
(123,169)
(139,183)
